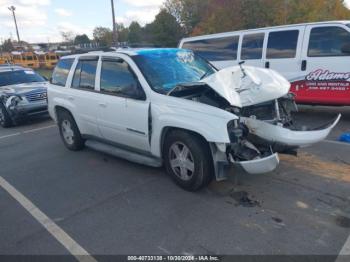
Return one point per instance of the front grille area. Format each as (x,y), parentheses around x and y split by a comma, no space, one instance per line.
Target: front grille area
(37,95)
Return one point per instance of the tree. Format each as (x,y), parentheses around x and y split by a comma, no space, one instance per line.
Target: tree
(81,39)
(103,36)
(68,36)
(135,32)
(212,16)
(7,46)
(166,30)
(123,33)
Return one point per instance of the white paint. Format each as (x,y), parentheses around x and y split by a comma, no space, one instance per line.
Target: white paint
(72,246)
(38,129)
(344,252)
(11,135)
(336,142)
(27,131)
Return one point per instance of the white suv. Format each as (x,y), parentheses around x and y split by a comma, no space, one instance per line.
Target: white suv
(171,107)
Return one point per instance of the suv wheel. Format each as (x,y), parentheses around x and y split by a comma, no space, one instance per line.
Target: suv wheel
(5,120)
(188,160)
(69,131)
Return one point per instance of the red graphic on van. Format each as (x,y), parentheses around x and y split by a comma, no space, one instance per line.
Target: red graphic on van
(323,87)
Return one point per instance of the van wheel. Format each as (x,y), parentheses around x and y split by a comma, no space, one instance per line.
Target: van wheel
(69,132)
(5,119)
(188,160)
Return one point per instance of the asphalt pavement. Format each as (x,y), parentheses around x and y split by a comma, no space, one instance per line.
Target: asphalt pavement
(111,206)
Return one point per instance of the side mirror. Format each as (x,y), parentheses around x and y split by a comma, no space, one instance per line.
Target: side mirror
(50,80)
(345,49)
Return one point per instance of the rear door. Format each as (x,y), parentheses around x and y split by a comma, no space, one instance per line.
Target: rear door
(326,66)
(283,51)
(82,96)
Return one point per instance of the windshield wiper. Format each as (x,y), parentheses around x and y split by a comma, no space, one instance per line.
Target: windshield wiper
(205,74)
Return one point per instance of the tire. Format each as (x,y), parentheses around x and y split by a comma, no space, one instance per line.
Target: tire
(69,131)
(188,160)
(5,119)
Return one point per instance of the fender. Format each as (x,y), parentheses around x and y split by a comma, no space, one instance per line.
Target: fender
(212,128)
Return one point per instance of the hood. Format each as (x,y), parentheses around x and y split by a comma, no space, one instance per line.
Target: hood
(258,86)
(23,88)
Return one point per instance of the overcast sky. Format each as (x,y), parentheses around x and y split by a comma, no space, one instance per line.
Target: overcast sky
(43,20)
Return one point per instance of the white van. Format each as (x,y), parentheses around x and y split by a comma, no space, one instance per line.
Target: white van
(314,57)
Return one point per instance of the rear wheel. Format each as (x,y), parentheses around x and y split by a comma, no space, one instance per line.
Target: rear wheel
(188,160)
(69,131)
(5,120)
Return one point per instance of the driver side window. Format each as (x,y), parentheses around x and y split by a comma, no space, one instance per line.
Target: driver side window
(118,79)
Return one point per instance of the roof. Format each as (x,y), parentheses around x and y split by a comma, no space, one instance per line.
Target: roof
(127,51)
(224,34)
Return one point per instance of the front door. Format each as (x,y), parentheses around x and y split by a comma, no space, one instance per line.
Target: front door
(123,108)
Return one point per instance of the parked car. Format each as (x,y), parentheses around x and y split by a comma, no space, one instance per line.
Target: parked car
(171,107)
(314,57)
(23,93)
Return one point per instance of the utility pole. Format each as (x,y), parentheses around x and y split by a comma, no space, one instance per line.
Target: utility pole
(115,33)
(12,9)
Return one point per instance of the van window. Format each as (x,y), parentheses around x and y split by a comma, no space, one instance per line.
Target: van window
(84,75)
(217,49)
(328,41)
(252,46)
(60,74)
(282,44)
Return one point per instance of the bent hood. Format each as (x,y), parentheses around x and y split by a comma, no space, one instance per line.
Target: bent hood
(258,86)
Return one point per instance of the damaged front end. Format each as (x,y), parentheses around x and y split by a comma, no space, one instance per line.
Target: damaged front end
(18,106)
(243,153)
(266,108)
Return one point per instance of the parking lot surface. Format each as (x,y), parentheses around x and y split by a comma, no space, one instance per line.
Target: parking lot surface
(111,206)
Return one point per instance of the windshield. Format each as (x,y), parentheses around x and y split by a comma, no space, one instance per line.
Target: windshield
(166,68)
(19,77)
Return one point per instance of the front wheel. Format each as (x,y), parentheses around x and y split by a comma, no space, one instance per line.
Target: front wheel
(5,120)
(69,132)
(188,160)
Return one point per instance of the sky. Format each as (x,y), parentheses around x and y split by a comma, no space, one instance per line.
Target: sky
(43,20)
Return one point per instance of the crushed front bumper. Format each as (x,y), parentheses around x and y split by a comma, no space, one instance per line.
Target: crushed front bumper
(24,110)
(261,165)
(275,134)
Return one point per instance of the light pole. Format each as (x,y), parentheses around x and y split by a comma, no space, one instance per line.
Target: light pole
(12,9)
(115,33)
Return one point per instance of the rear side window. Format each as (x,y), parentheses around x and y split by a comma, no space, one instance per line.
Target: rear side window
(328,41)
(252,46)
(84,75)
(217,49)
(60,74)
(282,44)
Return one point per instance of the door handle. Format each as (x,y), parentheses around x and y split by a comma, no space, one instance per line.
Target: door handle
(267,64)
(101,104)
(303,65)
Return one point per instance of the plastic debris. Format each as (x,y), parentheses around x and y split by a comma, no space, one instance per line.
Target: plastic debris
(345,138)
